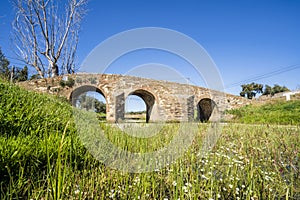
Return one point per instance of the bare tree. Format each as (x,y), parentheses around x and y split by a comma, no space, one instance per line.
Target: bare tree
(46,34)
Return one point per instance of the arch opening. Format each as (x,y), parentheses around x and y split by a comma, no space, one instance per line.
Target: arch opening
(205,109)
(142,103)
(90,98)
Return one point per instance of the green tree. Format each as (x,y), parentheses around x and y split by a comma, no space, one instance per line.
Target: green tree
(250,90)
(91,103)
(4,63)
(11,73)
(275,89)
(22,74)
(267,90)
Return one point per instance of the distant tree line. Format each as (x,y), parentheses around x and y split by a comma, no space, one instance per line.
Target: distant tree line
(91,103)
(11,73)
(250,90)
(275,89)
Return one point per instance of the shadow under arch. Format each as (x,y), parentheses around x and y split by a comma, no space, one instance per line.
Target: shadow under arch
(205,108)
(77,92)
(148,98)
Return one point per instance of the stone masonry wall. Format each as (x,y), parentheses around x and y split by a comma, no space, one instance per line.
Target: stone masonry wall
(166,101)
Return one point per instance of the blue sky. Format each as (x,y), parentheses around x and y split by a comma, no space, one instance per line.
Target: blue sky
(245,39)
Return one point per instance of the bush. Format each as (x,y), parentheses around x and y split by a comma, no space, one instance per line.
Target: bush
(70,82)
(62,83)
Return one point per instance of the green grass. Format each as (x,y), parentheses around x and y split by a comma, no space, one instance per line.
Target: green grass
(42,157)
(278,112)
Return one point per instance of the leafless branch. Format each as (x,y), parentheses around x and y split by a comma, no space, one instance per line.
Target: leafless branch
(45,35)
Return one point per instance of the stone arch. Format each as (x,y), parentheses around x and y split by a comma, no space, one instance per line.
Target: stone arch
(83,89)
(148,98)
(205,108)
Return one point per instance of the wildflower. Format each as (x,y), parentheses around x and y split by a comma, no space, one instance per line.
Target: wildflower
(237,161)
(111,194)
(188,185)
(243,186)
(185,188)
(230,186)
(204,177)
(137,180)
(174,183)
(218,196)
(268,178)
(77,191)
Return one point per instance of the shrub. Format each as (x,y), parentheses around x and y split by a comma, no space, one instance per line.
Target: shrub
(70,82)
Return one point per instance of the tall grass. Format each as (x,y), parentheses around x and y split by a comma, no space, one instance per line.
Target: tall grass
(42,157)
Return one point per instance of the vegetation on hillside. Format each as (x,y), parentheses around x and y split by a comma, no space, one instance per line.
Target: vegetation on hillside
(42,157)
(274,90)
(11,73)
(276,112)
(252,89)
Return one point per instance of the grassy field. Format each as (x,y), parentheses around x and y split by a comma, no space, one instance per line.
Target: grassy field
(42,157)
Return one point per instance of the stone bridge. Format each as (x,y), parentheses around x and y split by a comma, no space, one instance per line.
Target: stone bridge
(165,101)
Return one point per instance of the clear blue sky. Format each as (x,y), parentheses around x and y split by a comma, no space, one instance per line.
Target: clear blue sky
(245,39)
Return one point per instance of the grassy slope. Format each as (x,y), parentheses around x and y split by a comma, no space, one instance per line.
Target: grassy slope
(277,112)
(22,112)
(31,134)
